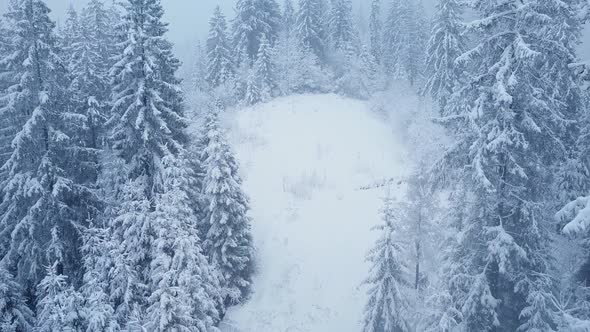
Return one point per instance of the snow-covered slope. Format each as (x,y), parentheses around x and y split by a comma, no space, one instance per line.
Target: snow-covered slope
(303,160)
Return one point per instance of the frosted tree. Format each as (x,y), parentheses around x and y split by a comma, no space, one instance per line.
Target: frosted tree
(404,40)
(393,37)
(98,312)
(289,18)
(388,307)
(252,94)
(220,66)
(376,30)
(43,200)
(146,125)
(254,19)
(508,137)
(185,290)
(228,242)
(264,70)
(15,315)
(198,80)
(59,306)
(342,33)
(7,128)
(70,32)
(309,27)
(445,45)
(299,68)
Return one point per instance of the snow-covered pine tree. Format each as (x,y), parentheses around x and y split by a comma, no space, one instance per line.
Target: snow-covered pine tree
(220,66)
(228,242)
(418,30)
(7,128)
(59,308)
(342,33)
(98,312)
(69,33)
(43,201)
(393,42)
(376,31)
(289,18)
(254,19)
(147,125)
(388,306)
(445,45)
(299,68)
(508,137)
(309,27)
(404,40)
(185,296)
(15,315)
(198,80)
(252,94)
(264,70)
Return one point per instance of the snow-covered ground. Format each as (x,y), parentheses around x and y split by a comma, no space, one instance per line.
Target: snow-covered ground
(303,159)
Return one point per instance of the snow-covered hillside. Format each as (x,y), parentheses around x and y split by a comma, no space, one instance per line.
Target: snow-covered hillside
(304,159)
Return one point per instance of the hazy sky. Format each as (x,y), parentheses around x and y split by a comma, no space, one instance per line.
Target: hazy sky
(189,20)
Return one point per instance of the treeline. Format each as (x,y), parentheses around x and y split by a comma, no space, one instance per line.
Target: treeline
(311,46)
(111,218)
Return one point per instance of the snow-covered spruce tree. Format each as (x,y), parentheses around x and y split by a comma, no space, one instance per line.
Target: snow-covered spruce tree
(376,31)
(69,33)
(359,73)
(198,81)
(254,19)
(59,308)
(388,307)
(147,126)
(186,295)
(15,315)
(309,27)
(228,242)
(342,33)
(264,70)
(98,312)
(508,137)
(43,202)
(404,40)
(289,17)
(220,67)
(252,95)
(7,128)
(445,45)
(299,68)
(393,42)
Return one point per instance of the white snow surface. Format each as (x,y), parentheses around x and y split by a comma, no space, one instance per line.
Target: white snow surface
(303,159)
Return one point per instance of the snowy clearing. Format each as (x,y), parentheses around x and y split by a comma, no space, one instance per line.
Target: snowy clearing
(303,160)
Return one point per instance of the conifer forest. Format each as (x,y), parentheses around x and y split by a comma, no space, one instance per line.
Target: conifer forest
(295,166)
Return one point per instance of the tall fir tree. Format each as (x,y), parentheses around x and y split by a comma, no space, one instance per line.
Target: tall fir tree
(264,69)
(254,19)
(388,306)
(15,315)
(185,296)
(310,28)
(342,33)
(220,67)
(445,45)
(59,308)
(376,31)
(44,202)
(289,17)
(147,128)
(228,242)
(508,136)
